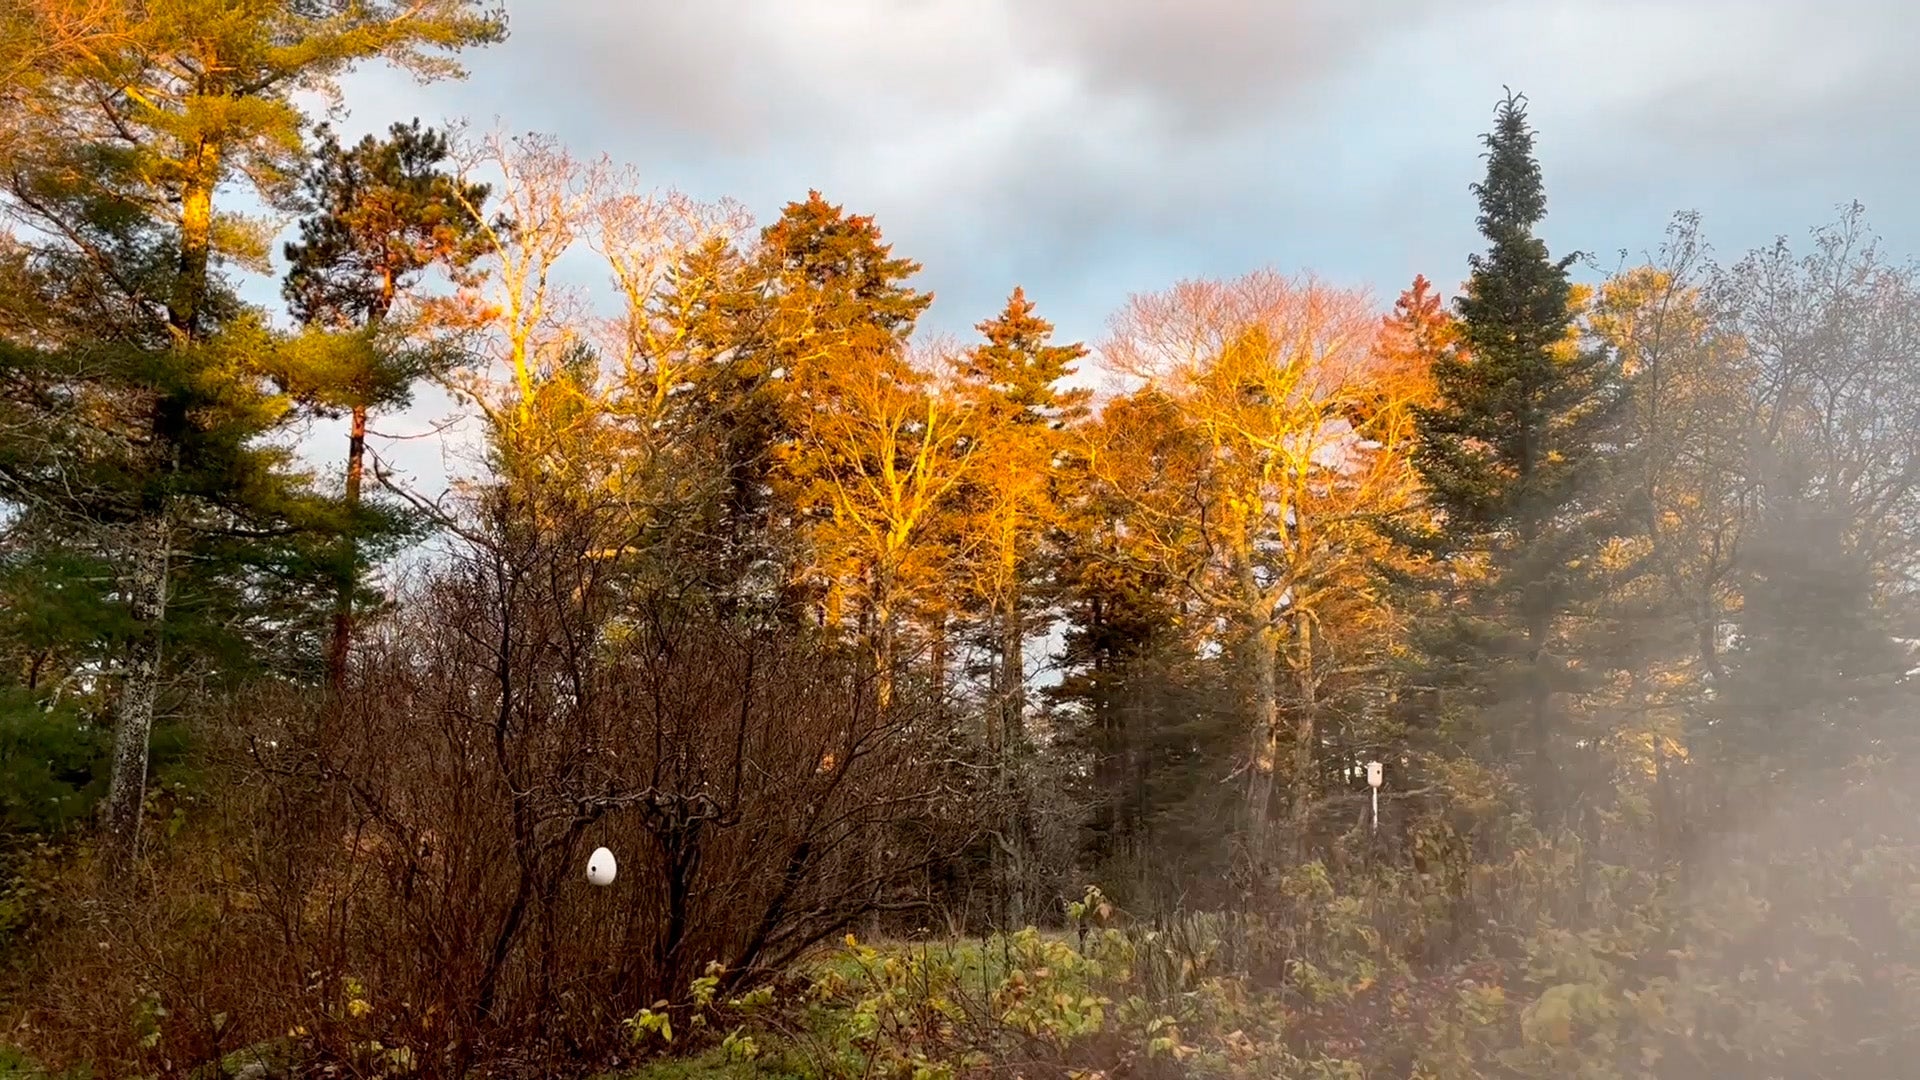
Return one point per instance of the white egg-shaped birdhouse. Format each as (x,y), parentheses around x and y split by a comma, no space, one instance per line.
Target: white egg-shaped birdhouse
(601,867)
(1376,774)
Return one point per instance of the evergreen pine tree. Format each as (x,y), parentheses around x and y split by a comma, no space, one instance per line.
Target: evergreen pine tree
(121,316)
(1513,456)
(1012,381)
(1139,712)
(382,213)
(1021,368)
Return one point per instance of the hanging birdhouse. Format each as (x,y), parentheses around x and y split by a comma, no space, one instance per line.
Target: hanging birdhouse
(1376,774)
(600,867)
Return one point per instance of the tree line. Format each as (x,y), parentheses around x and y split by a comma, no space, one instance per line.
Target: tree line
(831,626)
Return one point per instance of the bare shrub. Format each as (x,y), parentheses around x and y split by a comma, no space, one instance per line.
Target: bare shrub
(402,874)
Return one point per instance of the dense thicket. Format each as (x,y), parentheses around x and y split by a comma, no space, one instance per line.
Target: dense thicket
(823,629)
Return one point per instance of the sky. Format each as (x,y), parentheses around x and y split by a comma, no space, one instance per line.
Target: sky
(1086,151)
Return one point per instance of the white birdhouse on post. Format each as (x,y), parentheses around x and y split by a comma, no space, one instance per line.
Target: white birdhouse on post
(601,867)
(1376,775)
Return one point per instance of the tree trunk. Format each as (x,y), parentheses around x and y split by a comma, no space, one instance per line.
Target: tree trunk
(1540,719)
(1263,749)
(937,662)
(1007,685)
(196,245)
(139,688)
(1109,764)
(883,659)
(152,539)
(1013,706)
(1304,733)
(1013,674)
(1139,777)
(880,634)
(342,641)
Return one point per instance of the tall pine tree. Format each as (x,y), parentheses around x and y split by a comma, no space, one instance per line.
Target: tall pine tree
(115,160)
(1012,379)
(1514,457)
(382,213)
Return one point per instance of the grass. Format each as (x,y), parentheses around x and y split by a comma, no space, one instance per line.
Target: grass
(15,1065)
(713,1064)
(823,1028)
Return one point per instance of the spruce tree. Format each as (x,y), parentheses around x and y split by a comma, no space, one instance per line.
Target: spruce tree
(837,273)
(1012,382)
(1139,707)
(1021,368)
(1514,455)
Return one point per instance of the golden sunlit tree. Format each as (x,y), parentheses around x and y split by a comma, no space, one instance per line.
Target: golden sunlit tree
(1303,431)
(882,455)
(766,329)
(543,198)
(1013,381)
(650,241)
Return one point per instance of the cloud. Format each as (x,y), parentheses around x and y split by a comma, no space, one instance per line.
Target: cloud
(738,74)
(1086,150)
(1206,64)
(1066,143)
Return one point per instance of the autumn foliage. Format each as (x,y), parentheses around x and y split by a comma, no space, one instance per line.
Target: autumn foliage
(981,707)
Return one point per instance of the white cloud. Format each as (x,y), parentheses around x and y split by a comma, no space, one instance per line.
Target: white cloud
(1087,149)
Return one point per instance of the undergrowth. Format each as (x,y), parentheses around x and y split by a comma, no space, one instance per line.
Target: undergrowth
(1803,966)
